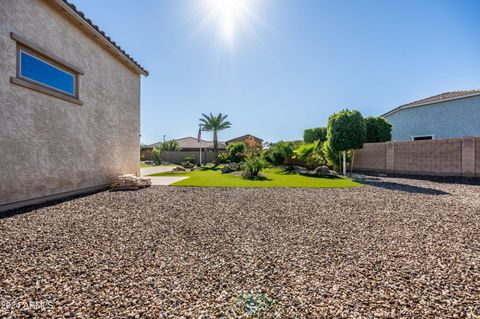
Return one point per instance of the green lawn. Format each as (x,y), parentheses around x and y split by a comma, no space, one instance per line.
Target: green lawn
(212,177)
(143,165)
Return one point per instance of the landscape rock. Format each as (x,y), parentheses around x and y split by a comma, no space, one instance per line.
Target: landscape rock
(395,248)
(130,182)
(322,170)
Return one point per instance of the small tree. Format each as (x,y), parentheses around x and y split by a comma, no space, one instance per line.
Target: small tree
(311,135)
(253,148)
(378,130)
(346,131)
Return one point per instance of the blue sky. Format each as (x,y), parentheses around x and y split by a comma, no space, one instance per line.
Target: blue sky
(293,62)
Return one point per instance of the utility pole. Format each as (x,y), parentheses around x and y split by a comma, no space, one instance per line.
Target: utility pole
(164,138)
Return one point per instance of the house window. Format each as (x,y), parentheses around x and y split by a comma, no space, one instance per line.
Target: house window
(38,70)
(42,71)
(422,138)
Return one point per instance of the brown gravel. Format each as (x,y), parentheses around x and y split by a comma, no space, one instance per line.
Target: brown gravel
(397,248)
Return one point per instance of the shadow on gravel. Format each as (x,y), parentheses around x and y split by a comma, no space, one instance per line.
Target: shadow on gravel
(403,187)
(31,208)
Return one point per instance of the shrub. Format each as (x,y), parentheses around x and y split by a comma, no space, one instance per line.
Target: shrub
(188,162)
(253,166)
(235,153)
(279,153)
(377,130)
(310,155)
(156,156)
(231,167)
(315,134)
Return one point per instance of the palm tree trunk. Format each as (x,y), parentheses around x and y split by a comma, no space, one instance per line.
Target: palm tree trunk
(215,144)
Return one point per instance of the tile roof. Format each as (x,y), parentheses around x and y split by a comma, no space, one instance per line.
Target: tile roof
(436,99)
(104,35)
(191,142)
(244,137)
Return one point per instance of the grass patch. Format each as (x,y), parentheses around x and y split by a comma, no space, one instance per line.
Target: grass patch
(143,165)
(212,177)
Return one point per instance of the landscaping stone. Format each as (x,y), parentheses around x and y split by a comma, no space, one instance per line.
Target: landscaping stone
(396,248)
(130,182)
(178,169)
(322,170)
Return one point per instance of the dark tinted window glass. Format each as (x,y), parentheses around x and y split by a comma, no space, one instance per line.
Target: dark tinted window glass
(421,138)
(42,72)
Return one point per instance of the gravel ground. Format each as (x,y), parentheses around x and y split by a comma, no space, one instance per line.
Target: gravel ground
(395,248)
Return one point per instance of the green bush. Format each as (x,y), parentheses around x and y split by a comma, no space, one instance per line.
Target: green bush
(235,153)
(188,162)
(253,166)
(278,153)
(315,134)
(378,130)
(310,155)
(156,156)
(346,130)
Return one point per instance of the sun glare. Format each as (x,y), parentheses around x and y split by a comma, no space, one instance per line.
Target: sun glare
(229,16)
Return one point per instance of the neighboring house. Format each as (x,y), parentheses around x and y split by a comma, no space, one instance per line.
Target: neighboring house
(447,115)
(190,144)
(69,104)
(243,138)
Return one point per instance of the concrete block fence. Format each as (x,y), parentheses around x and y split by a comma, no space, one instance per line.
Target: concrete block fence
(447,157)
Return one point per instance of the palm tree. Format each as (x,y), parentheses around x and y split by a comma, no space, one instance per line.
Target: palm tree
(214,124)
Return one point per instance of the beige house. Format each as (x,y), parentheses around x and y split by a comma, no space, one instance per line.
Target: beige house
(67,93)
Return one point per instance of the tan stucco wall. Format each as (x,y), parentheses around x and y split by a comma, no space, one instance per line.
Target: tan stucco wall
(48,145)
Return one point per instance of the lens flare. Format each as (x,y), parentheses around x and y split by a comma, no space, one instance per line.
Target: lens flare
(229,16)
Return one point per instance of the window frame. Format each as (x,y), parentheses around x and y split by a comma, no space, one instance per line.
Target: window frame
(422,137)
(38,53)
(74,75)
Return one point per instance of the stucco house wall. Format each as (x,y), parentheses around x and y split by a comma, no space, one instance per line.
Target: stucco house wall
(449,119)
(49,146)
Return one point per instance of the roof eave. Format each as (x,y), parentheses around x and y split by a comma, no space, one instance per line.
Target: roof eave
(400,108)
(101,37)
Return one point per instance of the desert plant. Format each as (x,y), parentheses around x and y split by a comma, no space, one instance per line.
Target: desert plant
(377,130)
(315,134)
(212,123)
(346,131)
(156,156)
(169,146)
(252,167)
(310,155)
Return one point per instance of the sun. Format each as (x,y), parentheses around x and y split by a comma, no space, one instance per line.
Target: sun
(229,16)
